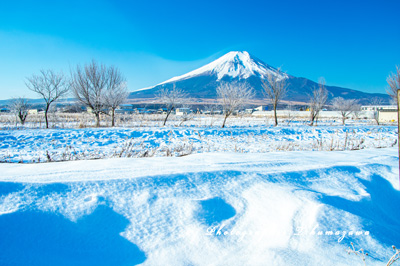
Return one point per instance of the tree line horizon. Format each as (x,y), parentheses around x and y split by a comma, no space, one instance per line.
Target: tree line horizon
(102,89)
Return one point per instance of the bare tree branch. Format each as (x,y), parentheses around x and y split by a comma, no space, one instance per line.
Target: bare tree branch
(361,253)
(395,257)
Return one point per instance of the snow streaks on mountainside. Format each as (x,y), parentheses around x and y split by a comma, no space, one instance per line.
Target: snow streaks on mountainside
(233,64)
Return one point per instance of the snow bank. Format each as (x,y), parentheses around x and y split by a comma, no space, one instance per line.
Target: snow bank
(27,146)
(278,208)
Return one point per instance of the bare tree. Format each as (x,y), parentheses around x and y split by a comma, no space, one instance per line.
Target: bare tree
(357,110)
(89,86)
(394,84)
(376,101)
(186,114)
(116,91)
(319,96)
(171,98)
(233,95)
(20,107)
(289,112)
(50,86)
(212,109)
(275,88)
(345,107)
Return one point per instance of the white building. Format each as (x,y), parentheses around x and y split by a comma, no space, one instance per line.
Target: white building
(377,107)
(183,111)
(387,115)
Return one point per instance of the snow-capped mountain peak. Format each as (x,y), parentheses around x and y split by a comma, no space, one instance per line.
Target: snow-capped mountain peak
(233,64)
(243,68)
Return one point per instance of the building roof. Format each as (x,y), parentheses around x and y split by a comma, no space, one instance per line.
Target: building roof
(388,110)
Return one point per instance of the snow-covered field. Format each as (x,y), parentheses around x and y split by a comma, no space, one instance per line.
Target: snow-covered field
(40,145)
(241,196)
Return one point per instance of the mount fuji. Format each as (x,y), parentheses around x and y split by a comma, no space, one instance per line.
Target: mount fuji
(239,67)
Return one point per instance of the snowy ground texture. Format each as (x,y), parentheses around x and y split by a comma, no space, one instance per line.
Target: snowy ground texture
(231,201)
(40,145)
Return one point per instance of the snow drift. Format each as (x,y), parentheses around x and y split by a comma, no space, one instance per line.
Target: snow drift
(287,208)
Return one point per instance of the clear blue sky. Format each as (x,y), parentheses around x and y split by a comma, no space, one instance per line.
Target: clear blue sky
(353,44)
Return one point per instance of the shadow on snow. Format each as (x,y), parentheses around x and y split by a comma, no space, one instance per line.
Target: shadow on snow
(214,211)
(41,238)
(380,211)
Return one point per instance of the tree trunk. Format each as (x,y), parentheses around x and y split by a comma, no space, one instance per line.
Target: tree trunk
(223,124)
(376,117)
(312,117)
(45,115)
(22,119)
(166,118)
(276,118)
(112,117)
(97,119)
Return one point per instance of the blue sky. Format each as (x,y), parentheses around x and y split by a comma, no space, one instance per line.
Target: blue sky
(353,44)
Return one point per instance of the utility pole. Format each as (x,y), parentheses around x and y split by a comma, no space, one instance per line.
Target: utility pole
(398,127)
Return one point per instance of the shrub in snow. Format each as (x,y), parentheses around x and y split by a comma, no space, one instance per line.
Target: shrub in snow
(362,254)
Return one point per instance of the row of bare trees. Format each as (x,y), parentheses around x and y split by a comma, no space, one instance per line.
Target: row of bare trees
(348,106)
(234,95)
(98,87)
(102,89)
